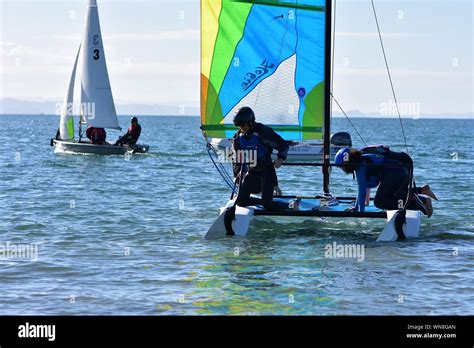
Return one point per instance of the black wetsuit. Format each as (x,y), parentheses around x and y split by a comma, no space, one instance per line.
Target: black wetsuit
(131,137)
(394,184)
(262,177)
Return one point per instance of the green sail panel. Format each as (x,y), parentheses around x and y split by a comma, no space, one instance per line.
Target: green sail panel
(268,55)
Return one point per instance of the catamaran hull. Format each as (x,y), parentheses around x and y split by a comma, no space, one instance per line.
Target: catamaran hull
(312,207)
(76,147)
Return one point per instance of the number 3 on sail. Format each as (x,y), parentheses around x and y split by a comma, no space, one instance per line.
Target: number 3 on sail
(97,103)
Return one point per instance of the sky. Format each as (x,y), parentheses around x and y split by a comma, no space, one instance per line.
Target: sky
(152,51)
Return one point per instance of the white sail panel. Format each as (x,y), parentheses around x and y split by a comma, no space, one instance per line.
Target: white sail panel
(274,100)
(97,103)
(66,123)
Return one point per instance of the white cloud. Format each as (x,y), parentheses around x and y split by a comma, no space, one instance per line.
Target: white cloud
(375,34)
(154,69)
(11,49)
(164,35)
(167,35)
(399,72)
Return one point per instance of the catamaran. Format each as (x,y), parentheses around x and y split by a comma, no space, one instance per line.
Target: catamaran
(97,108)
(275,56)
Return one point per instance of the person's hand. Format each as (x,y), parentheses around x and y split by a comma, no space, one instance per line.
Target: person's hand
(277,191)
(278,162)
(367,196)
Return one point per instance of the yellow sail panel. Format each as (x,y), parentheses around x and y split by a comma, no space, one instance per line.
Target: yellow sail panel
(210,11)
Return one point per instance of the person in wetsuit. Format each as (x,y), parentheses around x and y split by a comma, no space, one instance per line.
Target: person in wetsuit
(97,136)
(393,180)
(132,135)
(261,177)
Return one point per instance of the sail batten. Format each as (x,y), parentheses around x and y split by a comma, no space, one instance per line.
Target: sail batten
(266,54)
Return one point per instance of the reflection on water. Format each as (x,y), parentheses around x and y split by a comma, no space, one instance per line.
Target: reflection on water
(253,286)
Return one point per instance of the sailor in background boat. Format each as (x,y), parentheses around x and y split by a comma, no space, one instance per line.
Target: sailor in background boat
(392,180)
(97,136)
(132,135)
(261,176)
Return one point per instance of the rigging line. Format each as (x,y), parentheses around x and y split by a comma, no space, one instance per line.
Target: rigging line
(333,47)
(223,173)
(337,103)
(389,75)
(219,166)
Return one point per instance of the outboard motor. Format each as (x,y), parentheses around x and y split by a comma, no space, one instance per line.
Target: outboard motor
(342,139)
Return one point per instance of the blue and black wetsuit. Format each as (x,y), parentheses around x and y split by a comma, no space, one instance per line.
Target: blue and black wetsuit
(367,177)
(262,177)
(393,182)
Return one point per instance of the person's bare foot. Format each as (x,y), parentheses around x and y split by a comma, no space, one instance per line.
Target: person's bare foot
(429,207)
(426,190)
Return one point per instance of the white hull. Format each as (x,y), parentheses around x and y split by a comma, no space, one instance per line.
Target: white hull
(304,151)
(245,215)
(107,149)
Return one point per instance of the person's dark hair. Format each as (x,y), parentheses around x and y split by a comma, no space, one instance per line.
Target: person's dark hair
(355,158)
(245,115)
(134,119)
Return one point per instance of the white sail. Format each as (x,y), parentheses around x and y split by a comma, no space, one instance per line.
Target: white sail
(66,123)
(97,103)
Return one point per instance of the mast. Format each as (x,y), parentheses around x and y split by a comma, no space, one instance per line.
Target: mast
(327,98)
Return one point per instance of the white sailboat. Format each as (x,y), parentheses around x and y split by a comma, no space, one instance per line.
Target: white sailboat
(96,100)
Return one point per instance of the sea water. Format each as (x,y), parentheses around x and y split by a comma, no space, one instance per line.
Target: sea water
(86,234)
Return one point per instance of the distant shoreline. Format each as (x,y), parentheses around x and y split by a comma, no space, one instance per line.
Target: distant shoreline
(426,117)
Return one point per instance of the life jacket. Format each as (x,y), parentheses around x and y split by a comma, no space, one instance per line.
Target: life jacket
(134,131)
(373,170)
(383,150)
(386,152)
(253,143)
(89,132)
(96,135)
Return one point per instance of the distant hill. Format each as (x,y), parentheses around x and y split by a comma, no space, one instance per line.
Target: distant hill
(359,114)
(11,106)
(17,106)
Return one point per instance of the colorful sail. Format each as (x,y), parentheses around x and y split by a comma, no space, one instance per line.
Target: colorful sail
(97,103)
(266,54)
(66,123)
